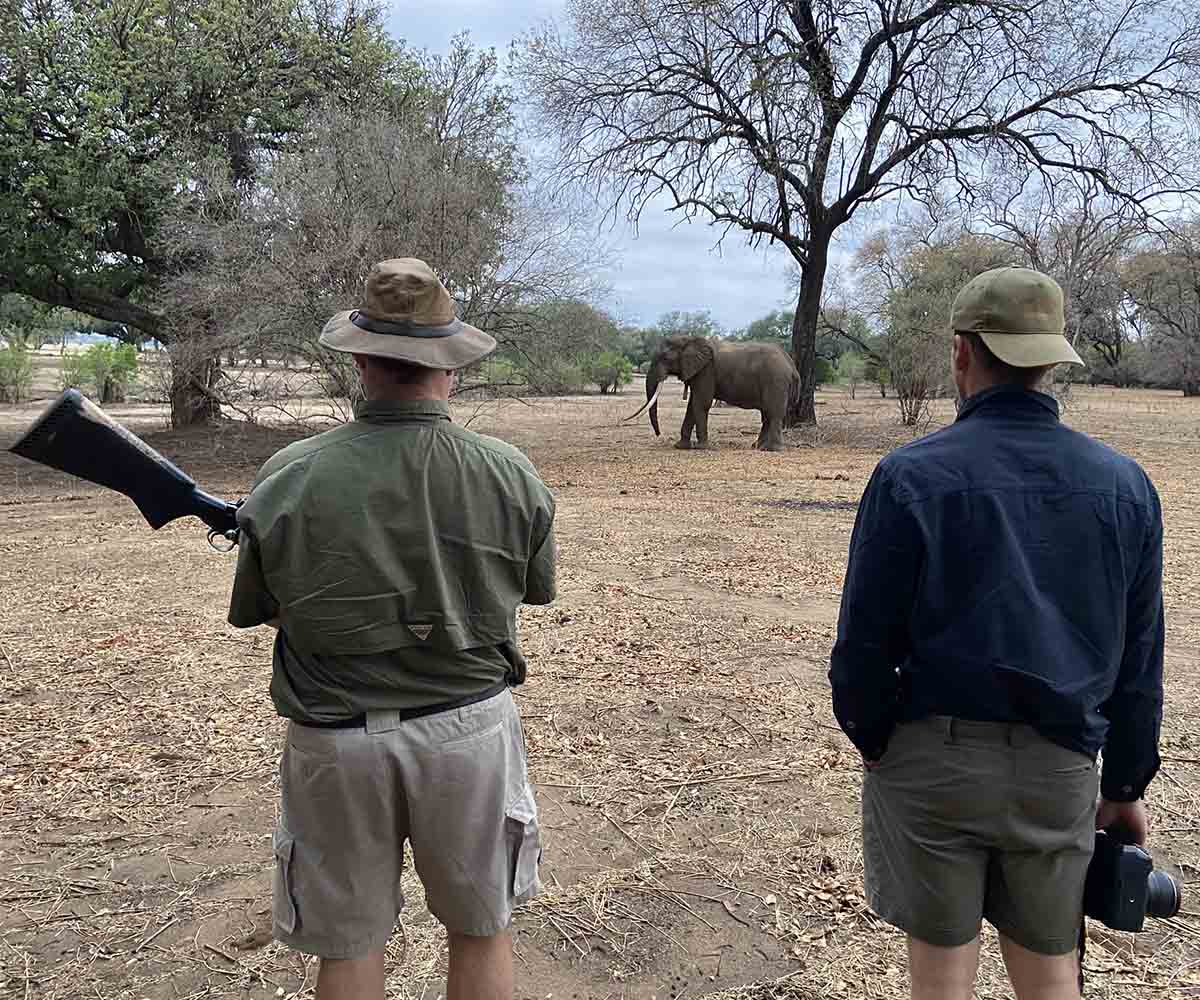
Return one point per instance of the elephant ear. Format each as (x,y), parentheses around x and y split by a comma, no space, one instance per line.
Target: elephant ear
(694,358)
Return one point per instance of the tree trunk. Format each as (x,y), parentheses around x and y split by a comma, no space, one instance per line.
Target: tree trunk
(193,383)
(803,409)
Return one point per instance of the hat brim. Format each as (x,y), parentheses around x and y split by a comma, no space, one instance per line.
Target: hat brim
(449,347)
(1031,350)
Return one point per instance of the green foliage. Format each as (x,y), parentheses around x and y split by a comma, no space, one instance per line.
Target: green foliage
(609,370)
(107,369)
(912,280)
(24,322)
(850,368)
(773,328)
(823,371)
(16,373)
(562,342)
(117,111)
(74,372)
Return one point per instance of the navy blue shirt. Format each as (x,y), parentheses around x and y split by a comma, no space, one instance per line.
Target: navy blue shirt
(1008,569)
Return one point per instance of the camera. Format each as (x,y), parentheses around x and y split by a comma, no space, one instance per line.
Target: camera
(1123,887)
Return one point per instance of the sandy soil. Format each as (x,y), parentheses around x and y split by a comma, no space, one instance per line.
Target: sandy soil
(699,805)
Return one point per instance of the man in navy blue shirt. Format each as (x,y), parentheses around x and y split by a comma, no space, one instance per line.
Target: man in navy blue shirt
(1001,624)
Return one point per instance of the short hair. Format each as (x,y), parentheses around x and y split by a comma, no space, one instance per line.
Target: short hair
(1002,371)
(401,372)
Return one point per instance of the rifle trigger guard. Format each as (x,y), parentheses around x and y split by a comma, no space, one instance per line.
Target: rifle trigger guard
(230,539)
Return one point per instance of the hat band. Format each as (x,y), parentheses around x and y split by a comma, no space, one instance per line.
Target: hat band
(403,329)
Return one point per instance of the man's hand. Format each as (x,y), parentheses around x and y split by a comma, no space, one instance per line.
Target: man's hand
(1130,817)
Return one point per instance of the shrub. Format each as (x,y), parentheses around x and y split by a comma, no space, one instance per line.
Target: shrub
(16,373)
(113,368)
(609,370)
(74,372)
(850,369)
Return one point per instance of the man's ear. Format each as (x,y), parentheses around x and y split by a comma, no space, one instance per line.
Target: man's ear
(960,354)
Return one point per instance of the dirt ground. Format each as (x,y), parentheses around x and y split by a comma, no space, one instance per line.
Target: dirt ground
(699,805)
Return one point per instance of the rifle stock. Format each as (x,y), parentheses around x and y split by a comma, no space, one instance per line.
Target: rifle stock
(75,436)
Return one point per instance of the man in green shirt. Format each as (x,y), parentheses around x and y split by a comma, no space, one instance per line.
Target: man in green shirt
(391,554)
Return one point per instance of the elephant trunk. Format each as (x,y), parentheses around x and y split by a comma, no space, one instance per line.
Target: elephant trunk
(653,378)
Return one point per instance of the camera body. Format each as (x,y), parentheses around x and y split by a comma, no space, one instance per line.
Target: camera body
(1123,886)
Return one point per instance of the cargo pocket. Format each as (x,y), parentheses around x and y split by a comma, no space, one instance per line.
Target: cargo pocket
(283,900)
(527,846)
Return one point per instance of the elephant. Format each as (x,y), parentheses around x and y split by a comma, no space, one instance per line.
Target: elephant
(752,376)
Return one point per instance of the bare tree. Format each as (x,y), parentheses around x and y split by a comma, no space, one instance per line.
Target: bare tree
(1163,285)
(1070,228)
(438,178)
(785,118)
(909,279)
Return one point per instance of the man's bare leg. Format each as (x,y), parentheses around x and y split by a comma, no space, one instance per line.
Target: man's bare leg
(481,968)
(942,973)
(1040,977)
(351,978)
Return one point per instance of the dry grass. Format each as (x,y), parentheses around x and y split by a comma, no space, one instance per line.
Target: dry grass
(699,806)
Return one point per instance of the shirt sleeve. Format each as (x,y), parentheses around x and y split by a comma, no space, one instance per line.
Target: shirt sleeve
(1134,711)
(877,601)
(540,579)
(251,602)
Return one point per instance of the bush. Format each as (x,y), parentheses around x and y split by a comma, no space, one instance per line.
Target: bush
(850,369)
(823,371)
(74,372)
(113,368)
(16,373)
(609,370)
(109,369)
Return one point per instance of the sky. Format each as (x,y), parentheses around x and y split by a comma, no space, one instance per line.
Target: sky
(665,265)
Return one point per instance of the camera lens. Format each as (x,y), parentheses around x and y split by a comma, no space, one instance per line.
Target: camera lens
(1164,896)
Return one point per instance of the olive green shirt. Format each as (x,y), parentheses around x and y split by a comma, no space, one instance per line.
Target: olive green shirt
(394,551)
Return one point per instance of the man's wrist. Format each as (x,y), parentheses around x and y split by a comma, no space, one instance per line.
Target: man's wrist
(1116,790)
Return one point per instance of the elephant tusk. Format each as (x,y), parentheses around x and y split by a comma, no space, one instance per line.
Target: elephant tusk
(646,405)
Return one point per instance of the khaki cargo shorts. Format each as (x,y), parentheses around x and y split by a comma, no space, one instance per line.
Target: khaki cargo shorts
(966,821)
(453,784)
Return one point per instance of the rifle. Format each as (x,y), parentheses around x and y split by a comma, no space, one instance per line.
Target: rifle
(75,436)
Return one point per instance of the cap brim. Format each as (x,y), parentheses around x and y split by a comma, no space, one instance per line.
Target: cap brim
(1032,350)
(455,345)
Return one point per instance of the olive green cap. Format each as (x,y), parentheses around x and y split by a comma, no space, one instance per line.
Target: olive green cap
(1018,313)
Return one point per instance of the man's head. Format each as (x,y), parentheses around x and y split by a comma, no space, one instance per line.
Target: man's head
(406,339)
(387,378)
(1008,330)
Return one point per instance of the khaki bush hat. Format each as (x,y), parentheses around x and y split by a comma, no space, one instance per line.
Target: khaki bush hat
(1018,313)
(408,315)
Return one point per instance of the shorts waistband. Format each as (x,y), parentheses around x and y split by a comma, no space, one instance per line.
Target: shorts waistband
(1010,733)
(396,716)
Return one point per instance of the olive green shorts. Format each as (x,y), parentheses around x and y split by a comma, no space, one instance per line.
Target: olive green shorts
(453,784)
(967,821)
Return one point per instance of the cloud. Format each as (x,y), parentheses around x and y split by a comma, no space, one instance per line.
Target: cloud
(665,265)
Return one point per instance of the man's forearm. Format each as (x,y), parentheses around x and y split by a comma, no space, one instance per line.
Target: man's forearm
(1134,710)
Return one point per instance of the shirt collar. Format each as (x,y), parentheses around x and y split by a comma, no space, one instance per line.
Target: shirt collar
(379,411)
(1011,398)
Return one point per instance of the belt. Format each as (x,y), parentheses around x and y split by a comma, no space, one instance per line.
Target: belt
(403,715)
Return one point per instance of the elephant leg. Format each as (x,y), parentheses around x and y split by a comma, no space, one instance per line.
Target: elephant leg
(685,432)
(702,401)
(762,434)
(772,435)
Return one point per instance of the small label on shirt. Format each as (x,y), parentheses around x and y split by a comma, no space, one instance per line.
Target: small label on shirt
(421,631)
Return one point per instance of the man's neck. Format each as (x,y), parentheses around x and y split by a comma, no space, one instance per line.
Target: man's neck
(985,384)
(408,394)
